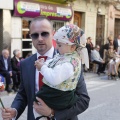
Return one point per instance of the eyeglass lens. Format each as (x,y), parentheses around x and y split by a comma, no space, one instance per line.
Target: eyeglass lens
(36,35)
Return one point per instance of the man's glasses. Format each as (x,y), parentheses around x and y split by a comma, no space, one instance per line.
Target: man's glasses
(36,35)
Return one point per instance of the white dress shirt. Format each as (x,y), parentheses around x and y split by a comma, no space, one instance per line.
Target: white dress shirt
(6,63)
(95,55)
(62,72)
(49,55)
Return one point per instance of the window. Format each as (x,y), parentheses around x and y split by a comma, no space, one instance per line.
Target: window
(26,40)
(57,24)
(100,30)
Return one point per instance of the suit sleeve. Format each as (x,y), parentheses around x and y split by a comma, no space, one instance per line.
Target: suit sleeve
(115,42)
(2,68)
(80,106)
(20,101)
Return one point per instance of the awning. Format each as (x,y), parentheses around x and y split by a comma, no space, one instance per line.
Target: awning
(56,1)
(34,9)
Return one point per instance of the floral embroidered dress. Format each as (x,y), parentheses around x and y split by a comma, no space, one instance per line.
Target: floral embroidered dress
(59,94)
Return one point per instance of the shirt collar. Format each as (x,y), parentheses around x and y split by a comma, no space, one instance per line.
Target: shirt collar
(49,53)
(17,59)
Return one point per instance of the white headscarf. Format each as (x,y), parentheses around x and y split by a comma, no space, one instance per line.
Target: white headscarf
(73,35)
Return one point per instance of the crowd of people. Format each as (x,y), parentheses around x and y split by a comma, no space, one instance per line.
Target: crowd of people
(10,69)
(106,56)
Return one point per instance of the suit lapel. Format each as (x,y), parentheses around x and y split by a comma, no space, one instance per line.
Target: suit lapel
(32,72)
(2,61)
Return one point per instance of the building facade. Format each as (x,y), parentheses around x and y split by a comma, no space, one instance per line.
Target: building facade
(5,23)
(114,20)
(91,16)
(98,20)
(59,13)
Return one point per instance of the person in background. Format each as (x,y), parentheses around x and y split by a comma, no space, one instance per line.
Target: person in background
(117,44)
(105,47)
(41,32)
(89,47)
(15,67)
(2,81)
(6,70)
(28,55)
(96,58)
(113,60)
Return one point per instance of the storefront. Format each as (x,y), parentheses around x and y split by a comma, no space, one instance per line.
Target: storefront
(25,11)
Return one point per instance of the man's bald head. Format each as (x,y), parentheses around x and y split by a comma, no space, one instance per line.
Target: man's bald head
(41,18)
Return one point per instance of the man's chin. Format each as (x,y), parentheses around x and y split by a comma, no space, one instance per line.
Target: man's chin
(42,51)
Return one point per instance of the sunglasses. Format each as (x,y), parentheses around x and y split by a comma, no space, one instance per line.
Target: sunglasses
(36,35)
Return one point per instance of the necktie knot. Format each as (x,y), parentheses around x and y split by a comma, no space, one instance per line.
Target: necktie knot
(40,75)
(45,57)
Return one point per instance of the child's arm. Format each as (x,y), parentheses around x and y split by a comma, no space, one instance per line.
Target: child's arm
(58,74)
(39,63)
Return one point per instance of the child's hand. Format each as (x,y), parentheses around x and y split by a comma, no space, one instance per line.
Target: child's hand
(39,63)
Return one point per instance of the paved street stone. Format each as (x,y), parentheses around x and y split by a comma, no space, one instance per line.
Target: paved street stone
(104,94)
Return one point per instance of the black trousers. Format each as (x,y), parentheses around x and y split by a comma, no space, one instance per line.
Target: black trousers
(18,78)
(8,78)
(101,66)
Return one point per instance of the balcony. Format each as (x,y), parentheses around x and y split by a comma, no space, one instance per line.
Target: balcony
(114,2)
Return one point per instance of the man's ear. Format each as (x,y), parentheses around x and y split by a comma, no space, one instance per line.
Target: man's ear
(53,32)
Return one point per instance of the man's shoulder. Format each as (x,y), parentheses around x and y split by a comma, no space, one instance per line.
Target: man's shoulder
(1,57)
(29,59)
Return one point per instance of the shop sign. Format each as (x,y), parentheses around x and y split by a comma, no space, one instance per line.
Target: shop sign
(34,9)
(6,4)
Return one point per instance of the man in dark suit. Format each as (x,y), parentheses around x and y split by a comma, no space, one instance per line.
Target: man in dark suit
(42,34)
(6,69)
(15,66)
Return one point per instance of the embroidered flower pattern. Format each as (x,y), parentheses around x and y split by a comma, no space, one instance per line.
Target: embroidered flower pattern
(74,62)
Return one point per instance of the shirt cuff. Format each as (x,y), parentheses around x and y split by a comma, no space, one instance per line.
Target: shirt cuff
(16,114)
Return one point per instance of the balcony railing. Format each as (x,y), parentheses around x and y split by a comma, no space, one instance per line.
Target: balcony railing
(108,1)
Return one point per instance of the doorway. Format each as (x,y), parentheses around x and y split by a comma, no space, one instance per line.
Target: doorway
(77,18)
(117,28)
(100,28)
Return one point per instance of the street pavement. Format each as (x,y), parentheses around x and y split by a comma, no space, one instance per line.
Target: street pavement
(104,103)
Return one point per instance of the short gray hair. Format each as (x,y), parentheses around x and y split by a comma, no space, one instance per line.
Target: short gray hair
(4,50)
(15,52)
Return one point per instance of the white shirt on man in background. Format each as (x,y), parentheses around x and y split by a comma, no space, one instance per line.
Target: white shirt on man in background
(95,56)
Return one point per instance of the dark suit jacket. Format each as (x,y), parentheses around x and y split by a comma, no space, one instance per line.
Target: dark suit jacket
(26,94)
(2,65)
(14,63)
(115,44)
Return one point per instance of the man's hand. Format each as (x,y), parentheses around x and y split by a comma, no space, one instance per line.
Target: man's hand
(42,108)
(103,61)
(8,113)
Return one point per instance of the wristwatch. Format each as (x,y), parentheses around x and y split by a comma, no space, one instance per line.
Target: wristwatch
(51,116)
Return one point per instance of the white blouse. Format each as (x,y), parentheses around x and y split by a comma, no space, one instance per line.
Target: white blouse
(58,74)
